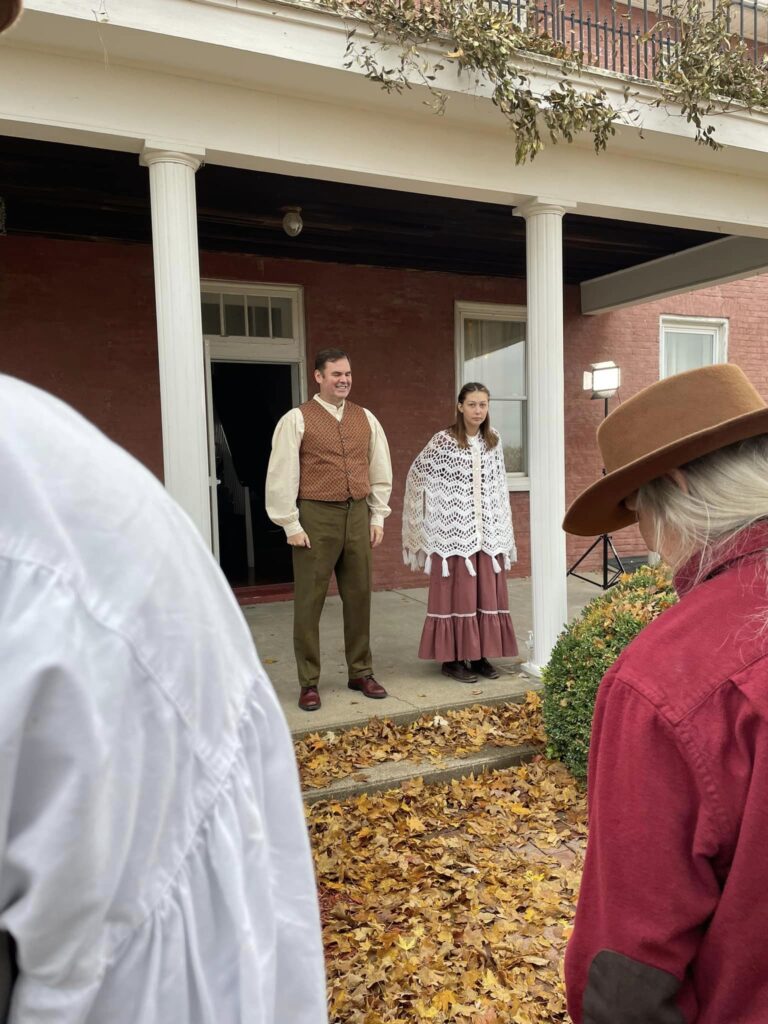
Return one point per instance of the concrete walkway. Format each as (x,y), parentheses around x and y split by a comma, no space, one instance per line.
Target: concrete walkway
(414,686)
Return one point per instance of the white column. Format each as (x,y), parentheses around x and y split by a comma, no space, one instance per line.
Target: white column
(179,328)
(546,455)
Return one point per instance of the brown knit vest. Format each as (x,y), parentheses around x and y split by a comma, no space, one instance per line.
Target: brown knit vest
(334,455)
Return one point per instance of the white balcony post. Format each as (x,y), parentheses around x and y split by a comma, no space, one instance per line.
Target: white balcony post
(179,328)
(544,261)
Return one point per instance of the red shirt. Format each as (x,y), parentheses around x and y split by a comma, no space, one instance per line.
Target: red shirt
(676,871)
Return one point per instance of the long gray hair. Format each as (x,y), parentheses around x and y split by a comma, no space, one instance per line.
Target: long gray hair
(727,492)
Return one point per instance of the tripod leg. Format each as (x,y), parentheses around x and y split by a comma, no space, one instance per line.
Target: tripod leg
(581,558)
(616,556)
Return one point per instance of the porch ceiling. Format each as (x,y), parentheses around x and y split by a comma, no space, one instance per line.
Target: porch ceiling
(76,192)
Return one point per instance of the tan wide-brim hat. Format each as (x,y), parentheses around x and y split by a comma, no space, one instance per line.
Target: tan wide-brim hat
(9,12)
(672,422)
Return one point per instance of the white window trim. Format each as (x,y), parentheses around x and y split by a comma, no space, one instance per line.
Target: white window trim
(488,311)
(261,350)
(231,348)
(695,325)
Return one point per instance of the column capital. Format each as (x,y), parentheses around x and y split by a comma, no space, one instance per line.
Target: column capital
(542,204)
(161,152)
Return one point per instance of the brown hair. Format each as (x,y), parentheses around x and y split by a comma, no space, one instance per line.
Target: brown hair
(329,355)
(9,12)
(458,429)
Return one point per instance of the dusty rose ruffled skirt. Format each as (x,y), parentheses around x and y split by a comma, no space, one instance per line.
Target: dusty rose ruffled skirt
(467,616)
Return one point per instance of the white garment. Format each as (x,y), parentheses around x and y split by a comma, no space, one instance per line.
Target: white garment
(154,861)
(457,503)
(283,473)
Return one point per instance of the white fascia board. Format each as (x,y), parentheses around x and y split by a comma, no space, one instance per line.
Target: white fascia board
(726,259)
(295,47)
(84,100)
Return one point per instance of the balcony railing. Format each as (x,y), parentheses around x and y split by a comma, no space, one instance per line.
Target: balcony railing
(632,38)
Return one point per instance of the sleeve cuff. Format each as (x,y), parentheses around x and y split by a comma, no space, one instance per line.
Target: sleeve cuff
(293,529)
(377,519)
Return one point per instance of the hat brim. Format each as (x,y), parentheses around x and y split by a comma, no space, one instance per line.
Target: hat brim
(600,508)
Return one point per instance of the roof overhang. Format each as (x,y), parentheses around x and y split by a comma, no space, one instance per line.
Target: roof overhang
(716,262)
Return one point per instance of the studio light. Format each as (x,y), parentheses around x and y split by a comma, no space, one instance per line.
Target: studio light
(603,379)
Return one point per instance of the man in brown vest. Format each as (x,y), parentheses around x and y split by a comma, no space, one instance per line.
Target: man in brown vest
(328,484)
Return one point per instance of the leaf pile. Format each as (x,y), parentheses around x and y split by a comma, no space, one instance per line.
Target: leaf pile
(452,902)
(334,755)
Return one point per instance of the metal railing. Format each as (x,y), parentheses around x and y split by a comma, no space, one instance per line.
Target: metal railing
(632,38)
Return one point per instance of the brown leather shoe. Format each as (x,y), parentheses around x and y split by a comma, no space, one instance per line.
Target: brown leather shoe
(458,670)
(309,698)
(484,668)
(368,686)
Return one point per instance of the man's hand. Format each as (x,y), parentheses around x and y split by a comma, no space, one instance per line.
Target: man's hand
(299,540)
(377,535)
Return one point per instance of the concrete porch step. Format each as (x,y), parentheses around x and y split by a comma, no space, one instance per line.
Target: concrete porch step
(391,774)
(513,693)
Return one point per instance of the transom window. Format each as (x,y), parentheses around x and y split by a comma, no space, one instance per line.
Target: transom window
(261,313)
(688,343)
(491,350)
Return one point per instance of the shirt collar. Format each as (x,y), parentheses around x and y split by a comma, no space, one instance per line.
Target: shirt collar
(333,409)
(749,541)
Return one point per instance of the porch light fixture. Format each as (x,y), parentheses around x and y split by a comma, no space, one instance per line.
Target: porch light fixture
(292,222)
(603,379)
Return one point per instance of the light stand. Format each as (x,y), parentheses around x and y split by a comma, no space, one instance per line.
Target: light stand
(603,380)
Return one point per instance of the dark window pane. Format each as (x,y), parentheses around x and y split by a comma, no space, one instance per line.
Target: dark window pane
(282,321)
(258,316)
(234,316)
(210,308)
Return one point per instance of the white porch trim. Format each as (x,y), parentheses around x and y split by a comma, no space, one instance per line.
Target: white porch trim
(546,421)
(725,259)
(179,328)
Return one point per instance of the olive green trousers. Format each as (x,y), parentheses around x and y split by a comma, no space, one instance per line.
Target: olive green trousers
(339,533)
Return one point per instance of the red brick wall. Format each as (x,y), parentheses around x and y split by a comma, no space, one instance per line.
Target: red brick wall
(78,319)
(631,338)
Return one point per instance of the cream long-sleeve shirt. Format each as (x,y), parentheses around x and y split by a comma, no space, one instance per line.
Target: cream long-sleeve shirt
(284,471)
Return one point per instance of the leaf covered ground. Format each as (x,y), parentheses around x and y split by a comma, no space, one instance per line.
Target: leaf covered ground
(451,903)
(334,755)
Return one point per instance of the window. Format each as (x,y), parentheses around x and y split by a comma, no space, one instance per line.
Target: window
(687,343)
(490,349)
(238,311)
(253,322)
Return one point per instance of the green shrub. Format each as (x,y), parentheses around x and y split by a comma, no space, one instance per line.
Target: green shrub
(586,649)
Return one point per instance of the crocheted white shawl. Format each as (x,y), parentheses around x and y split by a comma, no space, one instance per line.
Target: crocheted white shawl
(457,503)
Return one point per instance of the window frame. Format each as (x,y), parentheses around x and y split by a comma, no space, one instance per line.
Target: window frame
(258,349)
(464,310)
(684,324)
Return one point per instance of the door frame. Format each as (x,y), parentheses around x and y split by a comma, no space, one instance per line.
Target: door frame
(237,349)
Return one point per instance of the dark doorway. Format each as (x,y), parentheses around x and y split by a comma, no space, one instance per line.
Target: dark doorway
(248,400)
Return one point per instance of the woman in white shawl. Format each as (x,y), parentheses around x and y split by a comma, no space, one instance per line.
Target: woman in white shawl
(457,527)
